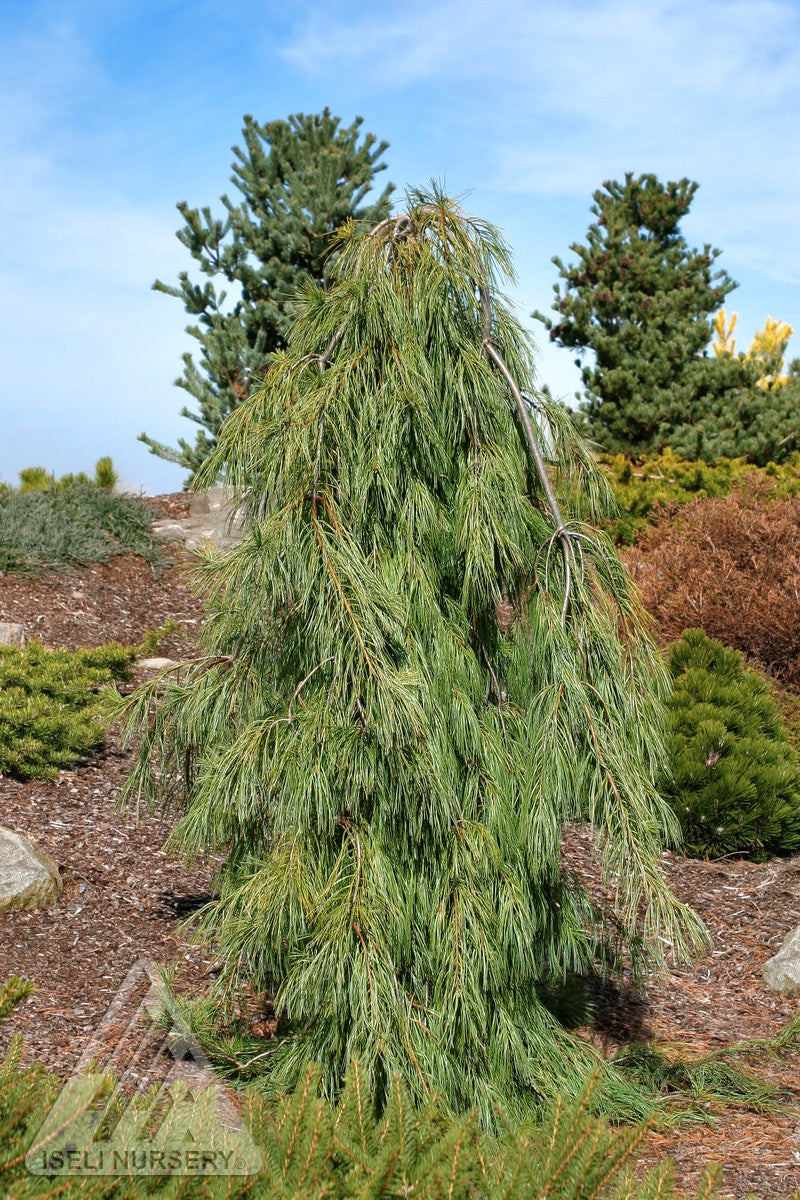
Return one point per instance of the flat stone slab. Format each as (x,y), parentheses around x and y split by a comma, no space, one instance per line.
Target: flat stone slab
(169,530)
(215,501)
(29,877)
(782,972)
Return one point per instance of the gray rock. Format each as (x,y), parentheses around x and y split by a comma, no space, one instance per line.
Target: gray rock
(12,634)
(29,877)
(169,531)
(157,664)
(214,522)
(217,500)
(782,972)
(202,538)
(199,505)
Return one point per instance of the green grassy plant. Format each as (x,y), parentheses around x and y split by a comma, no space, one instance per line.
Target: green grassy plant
(734,776)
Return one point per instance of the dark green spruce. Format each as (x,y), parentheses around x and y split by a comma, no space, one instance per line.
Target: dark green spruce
(418,667)
(299,180)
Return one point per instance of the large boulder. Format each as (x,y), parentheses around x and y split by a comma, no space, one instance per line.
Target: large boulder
(157,664)
(29,877)
(12,634)
(169,530)
(782,972)
(216,502)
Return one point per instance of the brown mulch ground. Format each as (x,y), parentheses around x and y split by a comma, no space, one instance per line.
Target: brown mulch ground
(119,905)
(120,600)
(715,1003)
(121,893)
(123,898)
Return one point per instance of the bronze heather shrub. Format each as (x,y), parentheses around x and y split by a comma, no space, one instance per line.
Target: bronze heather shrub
(729,566)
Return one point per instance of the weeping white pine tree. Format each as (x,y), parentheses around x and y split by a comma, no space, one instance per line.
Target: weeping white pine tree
(419,665)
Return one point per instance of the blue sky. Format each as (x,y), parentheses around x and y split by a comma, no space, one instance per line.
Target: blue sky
(113,110)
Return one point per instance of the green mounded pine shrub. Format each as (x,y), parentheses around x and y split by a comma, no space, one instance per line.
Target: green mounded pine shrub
(789,707)
(734,778)
(314,1150)
(37,479)
(71,522)
(646,486)
(418,670)
(54,705)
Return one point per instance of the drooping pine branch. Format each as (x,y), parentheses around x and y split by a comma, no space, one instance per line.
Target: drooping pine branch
(389,771)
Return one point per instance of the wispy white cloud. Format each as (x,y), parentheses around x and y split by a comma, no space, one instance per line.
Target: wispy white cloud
(582,57)
(565,94)
(533,105)
(396,51)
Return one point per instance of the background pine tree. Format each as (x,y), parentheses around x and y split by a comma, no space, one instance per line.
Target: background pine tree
(388,767)
(734,779)
(637,307)
(640,300)
(300,180)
